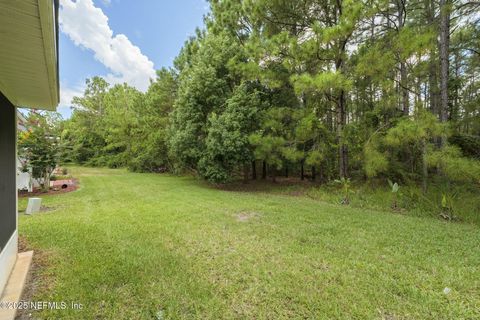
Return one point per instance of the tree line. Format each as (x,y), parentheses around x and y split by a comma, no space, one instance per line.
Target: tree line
(317,89)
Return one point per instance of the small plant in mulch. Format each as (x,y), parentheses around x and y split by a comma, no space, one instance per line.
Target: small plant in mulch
(60,188)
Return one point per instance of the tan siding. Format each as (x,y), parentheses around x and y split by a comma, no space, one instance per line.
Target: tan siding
(28,75)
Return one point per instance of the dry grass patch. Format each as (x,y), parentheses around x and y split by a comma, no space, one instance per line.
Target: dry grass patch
(245,216)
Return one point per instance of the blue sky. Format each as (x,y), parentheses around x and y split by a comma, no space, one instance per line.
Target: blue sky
(121,40)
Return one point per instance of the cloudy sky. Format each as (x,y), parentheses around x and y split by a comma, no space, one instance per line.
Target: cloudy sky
(121,40)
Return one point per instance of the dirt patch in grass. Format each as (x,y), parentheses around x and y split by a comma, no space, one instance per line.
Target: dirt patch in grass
(390,316)
(46,209)
(43,209)
(246,216)
(37,279)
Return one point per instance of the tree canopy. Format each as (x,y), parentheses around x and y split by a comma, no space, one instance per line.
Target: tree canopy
(323,89)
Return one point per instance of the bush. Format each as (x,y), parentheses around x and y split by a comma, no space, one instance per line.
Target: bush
(468,144)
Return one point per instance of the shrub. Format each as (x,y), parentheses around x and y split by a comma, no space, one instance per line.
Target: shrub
(468,144)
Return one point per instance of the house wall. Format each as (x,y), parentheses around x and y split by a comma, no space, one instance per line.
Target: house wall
(24,181)
(8,188)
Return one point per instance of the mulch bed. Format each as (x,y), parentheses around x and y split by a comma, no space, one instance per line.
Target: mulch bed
(72,185)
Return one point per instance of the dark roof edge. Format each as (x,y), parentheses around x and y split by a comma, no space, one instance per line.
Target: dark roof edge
(56,5)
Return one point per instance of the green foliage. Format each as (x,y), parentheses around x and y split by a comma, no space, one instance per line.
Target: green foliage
(314,158)
(148,151)
(269,148)
(394,188)
(323,82)
(375,161)
(345,184)
(375,63)
(227,144)
(468,144)
(346,88)
(203,89)
(85,129)
(454,166)
(121,127)
(40,147)
(415,135)
(424,125)
(447,211)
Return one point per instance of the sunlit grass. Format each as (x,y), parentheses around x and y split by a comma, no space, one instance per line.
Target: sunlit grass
(146,246)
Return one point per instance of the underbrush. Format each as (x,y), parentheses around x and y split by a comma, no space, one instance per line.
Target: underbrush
(457,202)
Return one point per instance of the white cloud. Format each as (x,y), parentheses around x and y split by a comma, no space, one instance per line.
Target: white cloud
(87,26)
(67,93)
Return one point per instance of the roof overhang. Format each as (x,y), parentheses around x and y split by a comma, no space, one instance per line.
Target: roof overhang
(29,53)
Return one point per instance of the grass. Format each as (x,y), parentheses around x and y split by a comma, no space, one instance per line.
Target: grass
(147,246)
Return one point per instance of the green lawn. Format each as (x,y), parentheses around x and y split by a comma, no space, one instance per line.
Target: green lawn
(147,246)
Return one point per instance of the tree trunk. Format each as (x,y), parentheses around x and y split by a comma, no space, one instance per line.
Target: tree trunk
(433,83)
(302,172)
(341,106)
(254,170)
(342,148)
(424,166)
(286,171)
(46,180)
(453,114)
(264,170)
(246,172)
(444,60)
(404,88)
(401,11)
(313,174)
(432,64)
